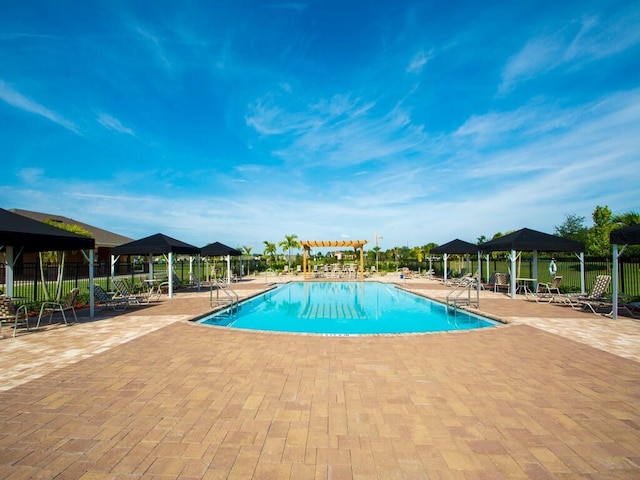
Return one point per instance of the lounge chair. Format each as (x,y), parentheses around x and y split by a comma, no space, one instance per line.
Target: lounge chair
(9,314)
(124,294)
(499,281)
(595,299)
(546,292)
(103,299)
(53,307)
(164,285)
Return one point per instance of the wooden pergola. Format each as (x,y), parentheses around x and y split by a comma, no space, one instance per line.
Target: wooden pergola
(307,244)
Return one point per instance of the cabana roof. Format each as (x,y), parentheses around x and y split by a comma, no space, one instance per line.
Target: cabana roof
(217,249)
(34,236)
(626,236)
(531,240)
(157,244)
(456,246)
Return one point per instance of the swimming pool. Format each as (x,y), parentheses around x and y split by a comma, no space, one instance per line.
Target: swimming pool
(345,308)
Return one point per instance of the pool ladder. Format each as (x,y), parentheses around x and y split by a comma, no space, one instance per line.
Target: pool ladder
(231,301)
(457,298)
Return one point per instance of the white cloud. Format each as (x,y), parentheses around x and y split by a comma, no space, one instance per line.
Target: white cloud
(112,123)
(593,40)
(18,100)
(418,62)
(337,131)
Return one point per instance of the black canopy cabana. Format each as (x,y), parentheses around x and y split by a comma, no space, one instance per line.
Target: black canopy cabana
(624,236)
(30,235)
(533,241)
(217,249)
(158,244)
(457,246)
(20,234)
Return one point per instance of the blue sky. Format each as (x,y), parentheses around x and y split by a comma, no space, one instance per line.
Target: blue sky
(247,121)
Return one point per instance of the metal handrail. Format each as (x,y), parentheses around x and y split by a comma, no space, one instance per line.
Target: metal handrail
(234,300)
(465,286)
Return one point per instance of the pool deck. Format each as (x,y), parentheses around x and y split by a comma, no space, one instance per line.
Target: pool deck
(146,393)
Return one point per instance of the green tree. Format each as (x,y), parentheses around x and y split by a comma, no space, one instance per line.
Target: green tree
(418,253)
(572,228)
(246,250)
(626,219)
(290,242)
(598,236)
(269,251)
(57,258)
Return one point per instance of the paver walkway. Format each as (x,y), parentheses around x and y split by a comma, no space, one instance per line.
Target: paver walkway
(146,394)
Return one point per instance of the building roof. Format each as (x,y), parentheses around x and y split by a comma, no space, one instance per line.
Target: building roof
(30,235)
(103,238)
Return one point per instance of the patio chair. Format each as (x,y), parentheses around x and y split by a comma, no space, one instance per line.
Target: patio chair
(9,314)
(595,299)
(547,291)
(164,285)
(103,299)
(123,293)
(53,307)
(500,281)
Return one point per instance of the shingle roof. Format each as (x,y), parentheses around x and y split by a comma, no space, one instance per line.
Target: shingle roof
(103,238)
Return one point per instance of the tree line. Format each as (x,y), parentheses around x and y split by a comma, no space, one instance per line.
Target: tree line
(574,227)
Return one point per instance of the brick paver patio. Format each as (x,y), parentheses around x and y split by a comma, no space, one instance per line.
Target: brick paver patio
(147,394)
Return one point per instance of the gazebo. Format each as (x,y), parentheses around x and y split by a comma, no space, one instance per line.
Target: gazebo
(307,244)
(624,236)
(455,247)
(529,240)
(217,249)
(20,234)
(158,244)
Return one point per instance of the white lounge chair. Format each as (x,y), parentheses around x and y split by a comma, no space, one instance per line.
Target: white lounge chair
(595,299)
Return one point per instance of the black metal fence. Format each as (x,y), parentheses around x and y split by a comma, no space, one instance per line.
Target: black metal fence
(567,267)
(27,277)
(27,282)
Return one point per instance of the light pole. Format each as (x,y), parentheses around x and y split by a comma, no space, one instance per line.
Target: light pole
(377,237)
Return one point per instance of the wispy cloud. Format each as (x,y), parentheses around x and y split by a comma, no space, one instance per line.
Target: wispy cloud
(155,44)
(337,131)
(18,100)
(418,62)
(112,123)
(583,40)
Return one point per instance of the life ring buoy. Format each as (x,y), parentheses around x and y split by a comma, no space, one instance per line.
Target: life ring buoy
(553,268)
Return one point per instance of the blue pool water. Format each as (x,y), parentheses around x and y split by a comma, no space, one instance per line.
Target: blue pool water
(345,308)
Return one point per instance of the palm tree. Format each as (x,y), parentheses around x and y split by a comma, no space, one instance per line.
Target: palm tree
(247,251)
(269,250)
(626,219)
(289,242)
